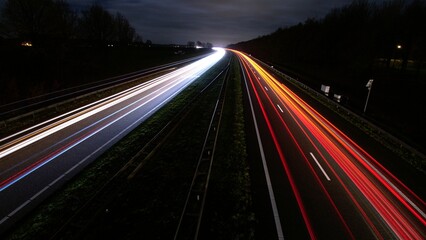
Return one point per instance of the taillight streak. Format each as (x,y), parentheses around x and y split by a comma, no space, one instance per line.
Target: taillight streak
(284,162)
(303,155)
(383,205)
(361,155)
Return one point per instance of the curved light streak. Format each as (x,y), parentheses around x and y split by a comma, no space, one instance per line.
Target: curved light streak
(181,77)
(366,173)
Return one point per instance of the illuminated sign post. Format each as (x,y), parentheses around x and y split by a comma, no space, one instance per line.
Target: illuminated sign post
(369,85)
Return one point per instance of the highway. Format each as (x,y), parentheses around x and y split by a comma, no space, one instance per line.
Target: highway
(320,183)
(37,161)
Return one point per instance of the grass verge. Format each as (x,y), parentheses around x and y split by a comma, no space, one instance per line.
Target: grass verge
(13,122)
(229,213)
(150,203)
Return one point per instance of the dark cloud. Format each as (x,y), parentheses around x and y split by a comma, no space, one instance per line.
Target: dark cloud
(220,22)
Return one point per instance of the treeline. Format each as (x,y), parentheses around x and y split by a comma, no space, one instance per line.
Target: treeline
(350,45)
(51,22)
(352,37)
(46,46)
(199,44)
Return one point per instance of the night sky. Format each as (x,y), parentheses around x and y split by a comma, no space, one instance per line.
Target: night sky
(220,22)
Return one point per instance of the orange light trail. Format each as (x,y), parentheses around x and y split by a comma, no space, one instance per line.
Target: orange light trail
(286,168)
(394,202)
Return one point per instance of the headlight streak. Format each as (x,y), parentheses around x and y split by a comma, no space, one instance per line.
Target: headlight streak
(181,77)
(18,144)
(388,209)
(78,112)
(66,148)
(31,168)
(53,120)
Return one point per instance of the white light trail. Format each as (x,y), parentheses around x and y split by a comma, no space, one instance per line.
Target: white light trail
(195,69)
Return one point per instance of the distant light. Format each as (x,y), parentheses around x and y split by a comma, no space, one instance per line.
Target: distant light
(198,47)
(26,44)
(219,49)
(110,45)
(399,46)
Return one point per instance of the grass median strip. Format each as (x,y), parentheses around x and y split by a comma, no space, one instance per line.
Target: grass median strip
(228,212)
(146,204)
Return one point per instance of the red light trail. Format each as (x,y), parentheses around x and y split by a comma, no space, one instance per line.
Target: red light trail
(379,196)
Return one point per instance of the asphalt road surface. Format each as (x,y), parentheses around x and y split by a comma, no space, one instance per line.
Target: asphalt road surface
(320,183)
(37,161)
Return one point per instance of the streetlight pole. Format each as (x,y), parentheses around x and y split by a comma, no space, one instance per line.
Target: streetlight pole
(369,85)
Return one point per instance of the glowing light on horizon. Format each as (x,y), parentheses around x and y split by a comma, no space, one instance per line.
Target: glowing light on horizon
(26,44)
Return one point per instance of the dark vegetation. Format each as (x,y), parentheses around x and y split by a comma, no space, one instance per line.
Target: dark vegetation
(149,203)
(356,43)
(229,211)
(31,72)
(46,46)
(344,50)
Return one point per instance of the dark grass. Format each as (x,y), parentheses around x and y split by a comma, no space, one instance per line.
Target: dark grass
(152,187)
(30,72)
(229,211)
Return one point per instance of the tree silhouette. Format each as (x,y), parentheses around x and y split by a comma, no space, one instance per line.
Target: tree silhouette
(97,25)
(125,33)
(351,37)
(37,20)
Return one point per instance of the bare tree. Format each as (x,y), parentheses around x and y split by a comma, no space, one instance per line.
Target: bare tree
(125,33)
(97,25)
(26,19)
(66,20)
(37,20)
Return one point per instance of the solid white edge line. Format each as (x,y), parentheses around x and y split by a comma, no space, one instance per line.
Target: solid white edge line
(4,219)
(265,167)
(319,165)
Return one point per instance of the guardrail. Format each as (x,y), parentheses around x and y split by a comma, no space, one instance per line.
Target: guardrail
(32,107)
(402,149)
